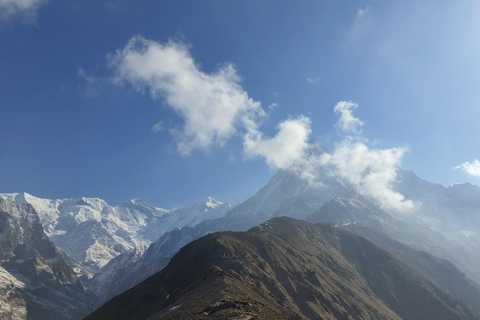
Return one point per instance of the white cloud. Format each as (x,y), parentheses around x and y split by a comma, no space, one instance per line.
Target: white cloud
(26,8)
(346,121)
(370,171)
(287,147)
(211,105)
(214,107)
(470,168)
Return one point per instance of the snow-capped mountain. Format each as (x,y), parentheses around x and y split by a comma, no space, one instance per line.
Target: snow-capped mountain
(90,230)
(35,281)
(93,232)
(188,216)
(287,194)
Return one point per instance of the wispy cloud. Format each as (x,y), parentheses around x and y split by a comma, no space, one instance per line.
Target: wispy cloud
(346,121)
(470,168)
(272,106)
(314,80)
(158,127)
(92,86)
(361,25)
(20,8)
(82,74)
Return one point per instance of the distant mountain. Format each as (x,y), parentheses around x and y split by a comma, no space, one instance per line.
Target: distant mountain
(35,281)
(353,209)
(458,203)
(452,212)
(93,233)
(285,269)
(187,216)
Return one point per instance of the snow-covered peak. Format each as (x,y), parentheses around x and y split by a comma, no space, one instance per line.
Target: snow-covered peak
(140,204)
(137,202)
(106,231)
(208,203)
(204,205)
(93,232)
(188,216)
(21,197)
(317,148)
(465,187)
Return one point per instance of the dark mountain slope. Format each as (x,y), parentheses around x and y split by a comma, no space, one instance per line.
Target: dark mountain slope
(439,271)
(289,268)
(404,290)
(354,210)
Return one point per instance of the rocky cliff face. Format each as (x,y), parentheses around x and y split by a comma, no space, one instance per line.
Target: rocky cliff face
(35,280)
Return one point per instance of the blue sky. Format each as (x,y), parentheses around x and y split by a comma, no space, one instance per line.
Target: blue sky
(70,129)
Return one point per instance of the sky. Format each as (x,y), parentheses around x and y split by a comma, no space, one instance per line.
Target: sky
(171,101)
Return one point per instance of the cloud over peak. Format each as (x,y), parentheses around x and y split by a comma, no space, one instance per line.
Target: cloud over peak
(370,171)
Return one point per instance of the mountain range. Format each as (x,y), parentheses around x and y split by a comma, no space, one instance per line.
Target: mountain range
(93,233)
(97,251)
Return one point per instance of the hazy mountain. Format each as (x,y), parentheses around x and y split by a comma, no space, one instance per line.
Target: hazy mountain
(35,280)
(285,269)
(355,209)
(287,194)
(452,212)
(440,271)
